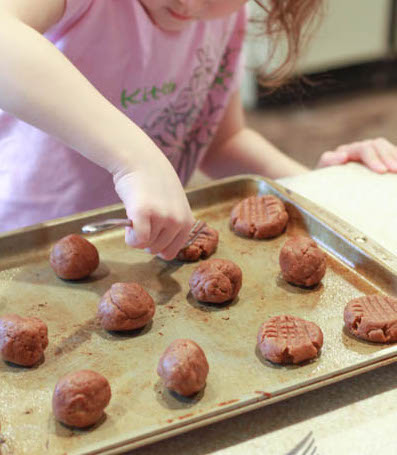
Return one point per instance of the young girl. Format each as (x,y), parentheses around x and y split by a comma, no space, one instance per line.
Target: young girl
(105,100)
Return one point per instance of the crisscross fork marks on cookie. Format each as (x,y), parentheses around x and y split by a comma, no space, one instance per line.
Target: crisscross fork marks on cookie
(288,339)
(381,308)
(295,331)
(259,209)
(259,217)
(195,232)
(372,317)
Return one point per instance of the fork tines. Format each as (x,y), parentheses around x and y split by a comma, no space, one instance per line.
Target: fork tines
(195,231)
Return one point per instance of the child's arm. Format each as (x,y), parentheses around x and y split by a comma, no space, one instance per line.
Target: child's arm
(39,85)
(237,149)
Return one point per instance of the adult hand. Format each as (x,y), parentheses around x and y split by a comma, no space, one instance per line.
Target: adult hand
(379,155)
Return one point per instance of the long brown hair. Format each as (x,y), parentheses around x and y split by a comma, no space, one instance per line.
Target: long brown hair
(290,21)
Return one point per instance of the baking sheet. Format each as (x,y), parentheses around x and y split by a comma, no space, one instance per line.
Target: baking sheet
(141,410)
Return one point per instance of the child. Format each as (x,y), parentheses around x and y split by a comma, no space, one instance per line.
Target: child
(114,99)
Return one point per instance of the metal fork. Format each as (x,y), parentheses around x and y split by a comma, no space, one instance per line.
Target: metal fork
(112,223)
(305,447)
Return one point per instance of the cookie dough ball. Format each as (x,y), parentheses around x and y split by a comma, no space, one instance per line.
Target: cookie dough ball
(372,318)
(204,245)
(287,339)
(216,281)
(73,257)
(22,340)
(259,217)
(183,367)
(302,262)
(125,306)
(80,398)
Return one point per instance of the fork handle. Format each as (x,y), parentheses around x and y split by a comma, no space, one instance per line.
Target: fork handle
(105,225)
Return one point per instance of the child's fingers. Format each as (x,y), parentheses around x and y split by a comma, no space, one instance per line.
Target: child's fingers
(165,237)
(173,249)
(139,235)
(387,153)
(135,240)
(379,155)
(158,207)
(171,239)
(366,153)
(332,159)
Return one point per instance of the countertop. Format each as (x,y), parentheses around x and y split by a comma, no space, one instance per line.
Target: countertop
(354,416)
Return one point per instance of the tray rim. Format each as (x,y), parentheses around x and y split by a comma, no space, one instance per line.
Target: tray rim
(372,361)
(369,246)
(236,409)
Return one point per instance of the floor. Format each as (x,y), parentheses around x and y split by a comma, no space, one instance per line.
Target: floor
(306,132)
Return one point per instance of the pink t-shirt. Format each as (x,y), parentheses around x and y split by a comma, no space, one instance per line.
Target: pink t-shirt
(175,86)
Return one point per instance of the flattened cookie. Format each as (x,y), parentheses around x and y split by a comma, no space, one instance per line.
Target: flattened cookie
(288,339)
(373,318)
(259,217)
(204,245)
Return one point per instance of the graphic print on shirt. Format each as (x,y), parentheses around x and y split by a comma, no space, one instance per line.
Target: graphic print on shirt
(146,94)
(186,126)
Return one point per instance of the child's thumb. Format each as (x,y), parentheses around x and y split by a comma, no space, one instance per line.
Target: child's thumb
(332,159)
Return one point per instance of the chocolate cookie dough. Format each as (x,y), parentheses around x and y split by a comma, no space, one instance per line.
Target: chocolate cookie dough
(204,245)
(216,281)
(22,340)
(288,339)
(125,306)
(80,398)
(302,262)
(259,217)
(183,367)
(373,318)
(73,257)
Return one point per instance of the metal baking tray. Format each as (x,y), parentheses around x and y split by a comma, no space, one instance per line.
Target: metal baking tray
(141,410)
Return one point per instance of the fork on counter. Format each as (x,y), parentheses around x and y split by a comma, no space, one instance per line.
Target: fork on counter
(305,447)
(111,223)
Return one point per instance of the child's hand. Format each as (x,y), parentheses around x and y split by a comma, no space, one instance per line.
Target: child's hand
(157,205)
(379,155)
